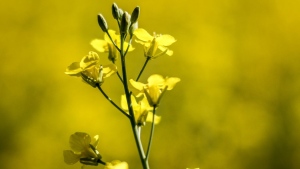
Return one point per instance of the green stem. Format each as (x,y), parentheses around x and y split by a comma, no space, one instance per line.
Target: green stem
(151,135)
(129,44)
(140,147)
(130,109)
(145,64)
(118,74)
(113,42)
(111,101)
(139,129)
(101,162)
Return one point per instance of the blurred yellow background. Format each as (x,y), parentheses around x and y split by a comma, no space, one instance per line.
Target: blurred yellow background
(237,106)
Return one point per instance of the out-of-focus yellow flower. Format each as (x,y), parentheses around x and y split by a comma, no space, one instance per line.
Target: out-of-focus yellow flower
(107,45)
(81,145)
(142,110)
(90,70)
(152,43)
(155,88)
(116,164)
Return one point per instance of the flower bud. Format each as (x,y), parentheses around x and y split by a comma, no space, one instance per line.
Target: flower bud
(115,11)
(125,22)
(102,23)
(133,27)
(135,15)
(120,13)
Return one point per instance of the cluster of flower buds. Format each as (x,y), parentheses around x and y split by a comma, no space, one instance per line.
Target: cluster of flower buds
(127,23)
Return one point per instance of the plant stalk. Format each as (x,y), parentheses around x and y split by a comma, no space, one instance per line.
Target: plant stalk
(151,134)
(130,109)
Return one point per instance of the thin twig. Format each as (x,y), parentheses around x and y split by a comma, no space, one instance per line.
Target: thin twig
(143,68)
(118,73)
(111,101)
(113,42)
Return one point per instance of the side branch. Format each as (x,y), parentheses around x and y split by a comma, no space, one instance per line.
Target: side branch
(111,101)
(151,134)
(143,68)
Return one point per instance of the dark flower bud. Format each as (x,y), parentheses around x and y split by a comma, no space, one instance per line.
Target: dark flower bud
(102,23)
(115,11)
(125,22)
(135,15)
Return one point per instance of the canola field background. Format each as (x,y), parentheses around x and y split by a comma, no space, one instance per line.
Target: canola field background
(237,105)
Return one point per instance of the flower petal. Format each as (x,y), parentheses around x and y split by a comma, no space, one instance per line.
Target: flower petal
(136,87)
(95,141)
(143,35)
(165,40)
(171,82)
(91,59)
(150,118)
(92,72)
(116,164)
(74,69)
(156,79)
(109,70)
(133,101)
(124,102)
(113,36)
(169,52)
(153,94)
(142,42)
(130,47)
(165,51)
(100,45)
(70,157)
(145,104)
(79,141)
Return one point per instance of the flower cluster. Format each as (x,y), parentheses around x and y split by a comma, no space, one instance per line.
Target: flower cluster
(140,101)
(142,110)
(153,43)
(90,69)
(156,87)
(107,45)
(84,149)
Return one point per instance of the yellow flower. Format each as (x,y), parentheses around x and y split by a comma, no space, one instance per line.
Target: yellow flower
(107,45)
(155,88)
(152,43)
(116,164)
(82,148)
(90,70)
(142,110)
